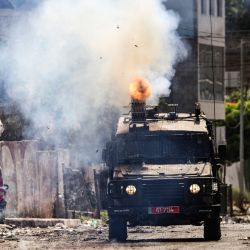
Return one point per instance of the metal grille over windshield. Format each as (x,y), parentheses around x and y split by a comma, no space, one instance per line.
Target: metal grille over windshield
(159,148)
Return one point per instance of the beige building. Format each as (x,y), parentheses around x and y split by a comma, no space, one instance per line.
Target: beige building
(200,78)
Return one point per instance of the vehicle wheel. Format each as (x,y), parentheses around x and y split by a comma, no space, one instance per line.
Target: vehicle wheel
(117,229)
(212,229)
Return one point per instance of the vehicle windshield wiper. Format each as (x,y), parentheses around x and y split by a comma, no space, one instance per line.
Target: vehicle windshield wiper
(135,156)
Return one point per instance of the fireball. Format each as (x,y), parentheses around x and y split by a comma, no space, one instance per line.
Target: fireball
(140,89)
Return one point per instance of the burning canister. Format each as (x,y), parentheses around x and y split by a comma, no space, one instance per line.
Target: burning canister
(139,90)
(138,111)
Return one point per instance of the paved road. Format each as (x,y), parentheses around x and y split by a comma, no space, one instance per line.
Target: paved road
(234,236)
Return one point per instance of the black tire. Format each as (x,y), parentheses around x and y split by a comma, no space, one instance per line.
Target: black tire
(118,229)
(212,229)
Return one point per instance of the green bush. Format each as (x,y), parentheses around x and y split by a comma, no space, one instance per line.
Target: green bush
(241,200)
(232,123)
(104,216)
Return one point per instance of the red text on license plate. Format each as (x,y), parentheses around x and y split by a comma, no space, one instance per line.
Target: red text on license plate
(164,210)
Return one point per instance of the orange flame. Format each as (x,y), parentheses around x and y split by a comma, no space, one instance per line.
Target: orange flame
(140,89)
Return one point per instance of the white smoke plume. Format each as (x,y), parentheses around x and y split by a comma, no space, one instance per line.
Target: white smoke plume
(65,61)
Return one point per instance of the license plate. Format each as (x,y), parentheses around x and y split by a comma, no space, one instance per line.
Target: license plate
(164,210)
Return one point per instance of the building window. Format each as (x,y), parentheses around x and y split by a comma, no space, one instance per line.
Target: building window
(219,7)
(211,7)
(211,73)
(204,7)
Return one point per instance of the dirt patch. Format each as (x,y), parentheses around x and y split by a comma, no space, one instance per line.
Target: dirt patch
(90,235)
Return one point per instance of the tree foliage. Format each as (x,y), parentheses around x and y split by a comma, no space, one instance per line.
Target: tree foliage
(237,14)
(232,123)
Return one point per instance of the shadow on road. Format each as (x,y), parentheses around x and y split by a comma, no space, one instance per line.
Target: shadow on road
(167,240)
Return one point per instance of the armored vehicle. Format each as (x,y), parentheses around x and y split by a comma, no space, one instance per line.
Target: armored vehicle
(163,171)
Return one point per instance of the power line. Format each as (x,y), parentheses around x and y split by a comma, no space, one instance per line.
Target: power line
(213,75)
(214,35)
(208,37)
(238,31)
(216,65)
(206,32)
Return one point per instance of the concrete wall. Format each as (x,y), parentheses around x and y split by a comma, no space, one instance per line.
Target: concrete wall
(195,29)
(233,175)
(34,178)
(218,40)
(204,27)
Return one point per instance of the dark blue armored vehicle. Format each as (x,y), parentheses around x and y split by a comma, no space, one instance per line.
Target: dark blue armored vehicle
(163,171)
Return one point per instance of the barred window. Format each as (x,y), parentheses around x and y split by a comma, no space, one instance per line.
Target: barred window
(219,8)
(211,73)
(204,7)
(211,7)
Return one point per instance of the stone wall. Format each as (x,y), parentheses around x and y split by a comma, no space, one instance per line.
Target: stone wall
(39,181)
(33,177)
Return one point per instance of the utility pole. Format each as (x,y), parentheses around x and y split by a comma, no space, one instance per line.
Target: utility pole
(97,191)
(242,175)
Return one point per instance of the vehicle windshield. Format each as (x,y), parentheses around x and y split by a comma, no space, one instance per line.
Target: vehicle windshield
(151,148)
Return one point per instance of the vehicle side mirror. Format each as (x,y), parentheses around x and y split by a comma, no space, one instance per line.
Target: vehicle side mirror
(222,152)
(6,186)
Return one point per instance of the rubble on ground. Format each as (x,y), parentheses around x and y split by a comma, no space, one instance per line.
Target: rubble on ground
(241,218)
(89,229)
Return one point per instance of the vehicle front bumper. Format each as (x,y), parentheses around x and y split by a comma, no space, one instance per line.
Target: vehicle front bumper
(187,215)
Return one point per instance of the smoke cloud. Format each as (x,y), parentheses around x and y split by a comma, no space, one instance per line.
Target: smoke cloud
(67,62)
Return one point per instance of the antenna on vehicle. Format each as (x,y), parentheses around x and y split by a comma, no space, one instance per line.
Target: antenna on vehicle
(197,112)
(173,114)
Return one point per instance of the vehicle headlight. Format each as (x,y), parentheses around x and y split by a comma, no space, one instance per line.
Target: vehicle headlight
(194,188)
(131,190)
(215,186)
